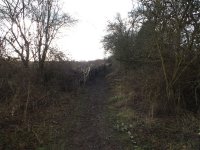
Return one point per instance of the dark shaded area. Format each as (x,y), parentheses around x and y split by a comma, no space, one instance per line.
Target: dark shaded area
(92,130)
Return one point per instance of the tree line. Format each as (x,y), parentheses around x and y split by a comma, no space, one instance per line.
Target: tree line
(165,34)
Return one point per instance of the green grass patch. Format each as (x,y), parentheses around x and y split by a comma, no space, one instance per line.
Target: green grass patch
(126,114)
(117,98)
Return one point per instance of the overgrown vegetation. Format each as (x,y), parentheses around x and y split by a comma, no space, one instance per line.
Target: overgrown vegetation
(138,126)
(155,53)
(31,103)
(154,79)
(161,40)
(39,106)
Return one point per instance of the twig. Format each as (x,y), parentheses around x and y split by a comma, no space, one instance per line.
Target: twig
(27,101)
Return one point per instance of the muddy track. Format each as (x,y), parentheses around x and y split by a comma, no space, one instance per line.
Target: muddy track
(92,129)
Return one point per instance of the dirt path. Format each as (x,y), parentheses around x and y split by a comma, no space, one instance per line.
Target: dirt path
(92,130)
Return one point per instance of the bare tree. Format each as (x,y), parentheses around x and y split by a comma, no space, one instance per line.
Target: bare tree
(15,29)
(49,19)
(2,48)
(30,26)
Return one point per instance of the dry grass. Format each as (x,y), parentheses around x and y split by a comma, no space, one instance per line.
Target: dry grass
(31,109)
(133,105)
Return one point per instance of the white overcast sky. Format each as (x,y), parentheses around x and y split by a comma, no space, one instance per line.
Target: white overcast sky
(82,41)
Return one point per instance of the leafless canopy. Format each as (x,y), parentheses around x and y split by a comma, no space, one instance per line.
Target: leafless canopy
(30,26)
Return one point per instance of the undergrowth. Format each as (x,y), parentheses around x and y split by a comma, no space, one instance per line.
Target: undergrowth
(141,128)
(32,104)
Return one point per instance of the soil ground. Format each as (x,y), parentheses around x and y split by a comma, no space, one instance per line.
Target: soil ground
(92,129)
